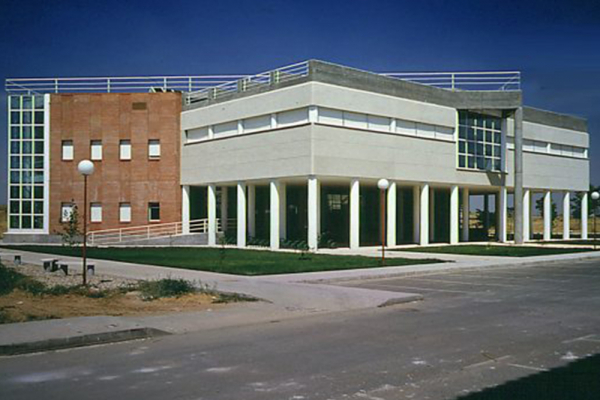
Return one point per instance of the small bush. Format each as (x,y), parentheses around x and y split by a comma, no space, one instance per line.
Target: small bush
(34,287)
(167,287)
(9,279)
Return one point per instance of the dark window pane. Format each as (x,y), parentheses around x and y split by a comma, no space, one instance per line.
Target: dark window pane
(471,147)
(27,102)
(39,147)
(39,101)
(488,136)
(497,137)
(462,146)
(26,177)
(26,162)
(26,192)
(462,117)
(38,177)
(38,222)
(14,207)
(26,222)
(26,207)
(488,150)
(14,147)
(153,211)
(471,134)
(462,132)
(39,117)
(38,207)
(14,192)
(480,163)
(39,162)
(489,164)
(26,132)
(38,192)
(480,149)
(14,222)
(15,162)
(15,133)
(39,132)
(497,165)
(497,151)
(27,147)
(471,161)
(15,102)
(14,177)
(27,117)
(462,161)
(15,117)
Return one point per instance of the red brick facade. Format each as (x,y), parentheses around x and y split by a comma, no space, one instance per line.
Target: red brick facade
(112,117)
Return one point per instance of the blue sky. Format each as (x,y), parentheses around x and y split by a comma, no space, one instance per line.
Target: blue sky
(554,43)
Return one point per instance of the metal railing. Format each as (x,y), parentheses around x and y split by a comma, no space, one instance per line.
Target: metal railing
(481,80)
(279,75)
(116,84)
(154,231)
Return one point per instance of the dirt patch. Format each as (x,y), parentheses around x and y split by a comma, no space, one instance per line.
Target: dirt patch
(106,295)
(19,306)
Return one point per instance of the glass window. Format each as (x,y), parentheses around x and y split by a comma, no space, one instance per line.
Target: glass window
(39,102)
(39,132)
(15,132)
(96,150)
(67,150)
(14,177)
(38,207)
(26,192)
(27,117)
(27,147)
(15,117)
(154,149)
(125,212)
(15,102)
(38,176)
(125,150)
(14,192)
(26,176)
(14,207)
(14,222)
(483,148)
(26,162)
(26,132)
(39,117)
(153,211)
(39,162)
(15,147)
(38,147)
(38,192)
(95,212)
(38,222)
(26,207)
(26,222)
(15,162)
(27,102)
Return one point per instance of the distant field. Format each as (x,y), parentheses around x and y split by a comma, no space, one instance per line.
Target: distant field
(2,220)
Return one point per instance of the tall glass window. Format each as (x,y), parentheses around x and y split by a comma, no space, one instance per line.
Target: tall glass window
(26,162)
(480,142)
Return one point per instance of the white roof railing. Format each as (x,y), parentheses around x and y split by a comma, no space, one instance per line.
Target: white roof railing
(203,87)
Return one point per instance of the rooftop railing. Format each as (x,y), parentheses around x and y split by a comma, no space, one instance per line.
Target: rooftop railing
(202,88)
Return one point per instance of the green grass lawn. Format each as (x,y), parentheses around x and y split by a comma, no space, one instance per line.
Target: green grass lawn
(499,251)
(575,381)
(589,242)
(229,261)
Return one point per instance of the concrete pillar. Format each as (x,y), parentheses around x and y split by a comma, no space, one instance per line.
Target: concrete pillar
(454,215)
(391,214)
(466,209)
(275,209)
(241,214)
(355,214)
(566,215)
(547,215)
(224,208)
(584,216)
(282,211)
(424,215)
(431,214)
(212,215)
(486,213)
(251,211)
(185,209)
(416,214)
(518,189)
(502,217)
(314,205)
(527,214)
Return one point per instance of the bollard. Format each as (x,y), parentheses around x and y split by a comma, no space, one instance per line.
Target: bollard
(91,269)
(65,269)
(17,259)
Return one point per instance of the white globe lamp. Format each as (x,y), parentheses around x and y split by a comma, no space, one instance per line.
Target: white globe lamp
(85,167)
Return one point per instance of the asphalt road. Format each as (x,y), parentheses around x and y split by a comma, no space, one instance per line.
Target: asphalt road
(474,329)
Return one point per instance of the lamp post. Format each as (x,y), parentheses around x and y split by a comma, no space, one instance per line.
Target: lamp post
(85,168)
(595,197)
(383,185)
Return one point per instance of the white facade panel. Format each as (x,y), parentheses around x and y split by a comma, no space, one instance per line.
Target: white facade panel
(355,120)
(225,129)
(293,117)
(254,124)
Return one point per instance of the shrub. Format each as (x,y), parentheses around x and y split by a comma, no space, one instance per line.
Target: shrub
(167,287)
(9,279)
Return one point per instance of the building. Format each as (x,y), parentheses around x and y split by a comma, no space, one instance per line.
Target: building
(289,155)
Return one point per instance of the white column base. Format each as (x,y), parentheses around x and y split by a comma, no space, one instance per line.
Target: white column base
(212,215)
(241,214)
(391,214)
(502,203)
(275,209)
(584,216)
(526,214)
(314,204)
(185,209)
(424,215)
(355,214)
(566,216)
(454,217)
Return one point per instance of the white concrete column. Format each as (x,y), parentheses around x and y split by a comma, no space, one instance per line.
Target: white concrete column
(212,215)
(416,214)
(224,208)
(466,208)
(282,211)
(314,205)
(502,217)
(584,216)
(275,209)
(454,215)
(424,215)
(391,214)
(241,214)
(355,214)
(251,211)
(431,214)
(526,214)
(547,215)
(185,209)
(566,215)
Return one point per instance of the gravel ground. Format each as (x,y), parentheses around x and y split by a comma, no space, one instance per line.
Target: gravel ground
(51,279)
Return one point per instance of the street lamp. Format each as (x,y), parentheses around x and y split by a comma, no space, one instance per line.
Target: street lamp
(383,185)
(595,197)
(85,168)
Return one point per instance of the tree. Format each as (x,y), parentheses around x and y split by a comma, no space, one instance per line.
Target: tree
(70,232)
(539,205)
(576,203)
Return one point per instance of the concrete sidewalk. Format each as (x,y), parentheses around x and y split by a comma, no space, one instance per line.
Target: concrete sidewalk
(285,296)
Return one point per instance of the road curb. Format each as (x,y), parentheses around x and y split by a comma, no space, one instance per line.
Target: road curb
(401,300)
(80,341)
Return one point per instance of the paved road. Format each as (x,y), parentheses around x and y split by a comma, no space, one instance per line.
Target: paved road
(474,329)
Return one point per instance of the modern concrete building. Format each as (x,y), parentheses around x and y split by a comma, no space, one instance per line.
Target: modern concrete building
(290,155)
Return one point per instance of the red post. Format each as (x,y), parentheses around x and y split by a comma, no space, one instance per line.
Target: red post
(84,230)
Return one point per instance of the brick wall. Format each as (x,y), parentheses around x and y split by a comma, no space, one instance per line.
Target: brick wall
(111,117)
